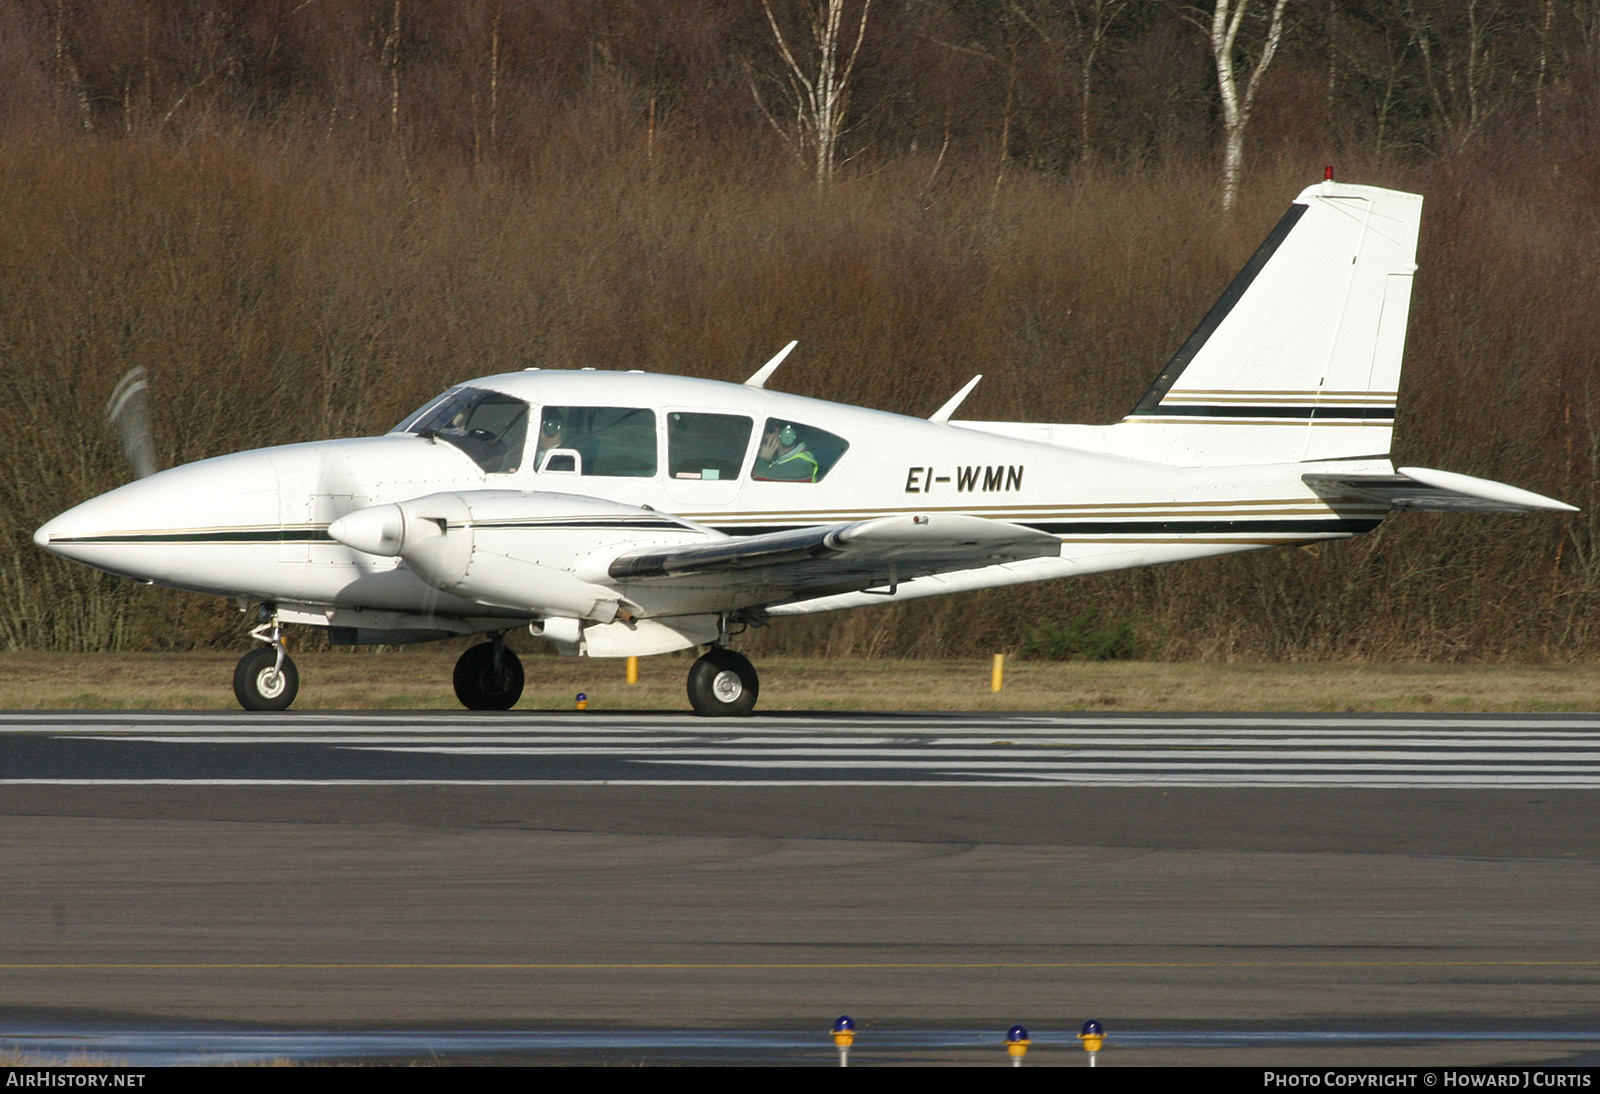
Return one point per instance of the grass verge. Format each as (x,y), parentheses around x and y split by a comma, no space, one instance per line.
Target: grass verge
(420,679)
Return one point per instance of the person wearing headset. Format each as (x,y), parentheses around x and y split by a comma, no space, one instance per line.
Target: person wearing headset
(784,457)
(549,434)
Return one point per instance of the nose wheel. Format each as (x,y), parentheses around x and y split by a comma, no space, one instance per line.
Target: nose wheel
(489,677)
(262,682)
(723,684)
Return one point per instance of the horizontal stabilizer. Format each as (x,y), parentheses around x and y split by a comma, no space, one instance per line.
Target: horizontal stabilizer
(860,554)
(1441,491)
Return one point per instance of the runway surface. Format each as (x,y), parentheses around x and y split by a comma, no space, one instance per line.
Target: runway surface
(1340,875)
(1298,750)
(165,1046)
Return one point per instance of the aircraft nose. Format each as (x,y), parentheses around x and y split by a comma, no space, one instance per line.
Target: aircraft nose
(157,528)
(79,526)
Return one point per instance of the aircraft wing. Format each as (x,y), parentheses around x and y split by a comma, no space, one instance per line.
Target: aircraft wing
(1443,491)
(858,555)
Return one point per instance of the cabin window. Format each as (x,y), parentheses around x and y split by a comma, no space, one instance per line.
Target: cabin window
(488,426)
(611,442)
(791,452)
(706,446)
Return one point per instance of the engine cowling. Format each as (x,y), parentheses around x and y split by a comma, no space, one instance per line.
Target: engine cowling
(531,551)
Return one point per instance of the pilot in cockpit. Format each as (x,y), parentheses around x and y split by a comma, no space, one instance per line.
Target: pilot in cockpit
(783,456)
(549,435)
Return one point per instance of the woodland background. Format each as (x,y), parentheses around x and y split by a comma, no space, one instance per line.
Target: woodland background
(304,218)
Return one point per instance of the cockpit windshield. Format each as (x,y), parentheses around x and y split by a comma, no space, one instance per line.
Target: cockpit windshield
(488,426)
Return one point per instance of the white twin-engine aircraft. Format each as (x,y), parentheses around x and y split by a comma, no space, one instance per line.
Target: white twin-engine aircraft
(623,513)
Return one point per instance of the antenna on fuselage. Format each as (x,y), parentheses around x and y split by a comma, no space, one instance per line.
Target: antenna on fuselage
(764,373)
(944,412)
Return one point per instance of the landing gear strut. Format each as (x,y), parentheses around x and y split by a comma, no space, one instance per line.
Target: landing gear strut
(489,676)
(723,684)
(265,678)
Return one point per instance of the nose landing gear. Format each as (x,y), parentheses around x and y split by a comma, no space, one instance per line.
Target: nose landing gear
(489,676)
(723,684)
(265,678)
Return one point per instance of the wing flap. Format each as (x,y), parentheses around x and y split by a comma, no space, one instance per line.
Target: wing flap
(863,553)
(1440,491)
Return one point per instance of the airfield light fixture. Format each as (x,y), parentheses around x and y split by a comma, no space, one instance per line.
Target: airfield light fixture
(844,1035)
(1093,1037)
(1017,1043)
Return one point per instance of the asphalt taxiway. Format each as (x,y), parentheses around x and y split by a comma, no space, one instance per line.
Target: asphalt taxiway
(644,870)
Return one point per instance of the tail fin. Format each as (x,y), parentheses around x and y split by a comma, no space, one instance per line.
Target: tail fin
(1299,359)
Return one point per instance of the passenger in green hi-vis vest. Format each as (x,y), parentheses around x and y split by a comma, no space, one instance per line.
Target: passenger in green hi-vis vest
(783,456)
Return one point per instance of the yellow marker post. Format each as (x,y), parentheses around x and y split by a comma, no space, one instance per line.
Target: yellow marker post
(997,675)
(633,670)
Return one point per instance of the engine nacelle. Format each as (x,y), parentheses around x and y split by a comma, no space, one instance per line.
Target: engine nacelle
(535,552)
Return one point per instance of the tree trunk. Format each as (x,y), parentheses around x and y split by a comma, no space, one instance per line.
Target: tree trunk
(820,96)
(1227,16)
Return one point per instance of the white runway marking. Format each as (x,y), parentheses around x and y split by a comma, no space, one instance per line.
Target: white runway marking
(539,748)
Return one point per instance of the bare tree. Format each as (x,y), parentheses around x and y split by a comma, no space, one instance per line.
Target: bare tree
(1094,21)
(1227,18)
(391,61)
(67,77)
(1464,47)
(819,90)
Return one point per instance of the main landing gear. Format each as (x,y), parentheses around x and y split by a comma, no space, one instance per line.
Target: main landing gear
(723,684)
(489,676)
(265,678)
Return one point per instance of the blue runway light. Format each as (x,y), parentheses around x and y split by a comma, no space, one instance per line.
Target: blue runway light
(1093,1038)
(1017,1043)
(844,1035)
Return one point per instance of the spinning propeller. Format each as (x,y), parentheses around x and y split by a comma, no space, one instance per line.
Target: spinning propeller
(128,412)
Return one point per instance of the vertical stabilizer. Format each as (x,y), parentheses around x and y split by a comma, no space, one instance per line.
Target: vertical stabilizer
(1299,359)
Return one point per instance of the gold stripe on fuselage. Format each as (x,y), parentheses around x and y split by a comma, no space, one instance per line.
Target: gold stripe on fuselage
(1121,510)
(1285,393)
(1287,423)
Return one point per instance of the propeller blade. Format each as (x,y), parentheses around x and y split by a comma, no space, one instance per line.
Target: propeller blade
(128,411)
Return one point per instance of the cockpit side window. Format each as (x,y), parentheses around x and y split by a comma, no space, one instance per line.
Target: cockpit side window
(706,446)
(490,427)
(612,441)
(791,452)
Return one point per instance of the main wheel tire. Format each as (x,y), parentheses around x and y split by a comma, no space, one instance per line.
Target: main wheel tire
(480,687)
(723,684)
(257,687)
